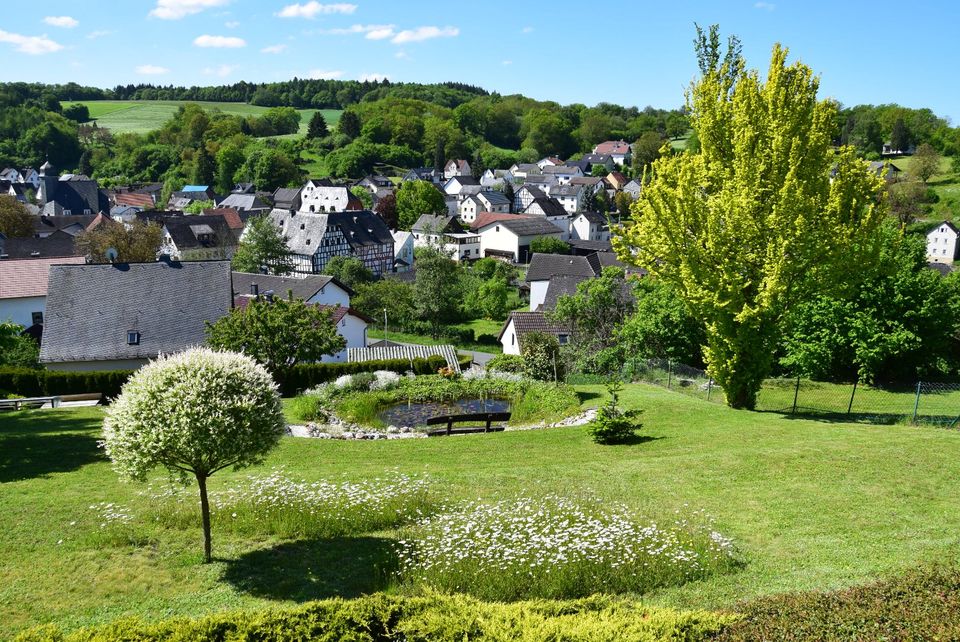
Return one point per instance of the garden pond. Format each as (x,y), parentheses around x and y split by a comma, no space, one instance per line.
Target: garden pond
(416,414)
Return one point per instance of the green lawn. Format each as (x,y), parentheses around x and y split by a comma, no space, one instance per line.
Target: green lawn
(812,504)
(141,116)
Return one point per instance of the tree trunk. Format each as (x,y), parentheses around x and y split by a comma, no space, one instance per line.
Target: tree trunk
(205,515)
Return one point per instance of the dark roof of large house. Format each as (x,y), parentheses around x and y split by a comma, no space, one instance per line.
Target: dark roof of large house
(59,243)
(302,288)
(545,266)
(527,322)
(244,202)
(560,285)
(193,232)
(485,218)
(584,165)
(532,226)
(75,194)
(549,206)
(586,247)
(437,224)
(287,198)
(494,197)
(465,180)
(593,217)
(91,308)
(305,230)
(73,224)
(600,260)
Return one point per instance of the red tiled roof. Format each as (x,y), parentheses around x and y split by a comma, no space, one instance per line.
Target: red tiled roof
(230,214)
(28,277)
(612,147)
(132,198)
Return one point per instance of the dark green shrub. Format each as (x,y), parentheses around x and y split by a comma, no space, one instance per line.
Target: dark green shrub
(486,339)
(541,357)
(383,618)
(506,363)
(436,362)
(614,425)
(27,382)
(465,361)
(922,604)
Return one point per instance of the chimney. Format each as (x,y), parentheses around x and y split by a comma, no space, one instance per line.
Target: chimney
(269,295)
(254,289)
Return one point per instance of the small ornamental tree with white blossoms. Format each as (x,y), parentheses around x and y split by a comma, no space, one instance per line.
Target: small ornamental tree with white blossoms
(194,413)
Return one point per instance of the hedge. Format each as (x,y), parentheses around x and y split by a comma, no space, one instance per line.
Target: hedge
(28,382)
(922,604)
(384,618)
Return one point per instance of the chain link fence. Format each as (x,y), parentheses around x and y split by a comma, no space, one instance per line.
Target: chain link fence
(924,402)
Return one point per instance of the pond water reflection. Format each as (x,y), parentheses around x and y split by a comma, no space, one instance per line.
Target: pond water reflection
(416,414)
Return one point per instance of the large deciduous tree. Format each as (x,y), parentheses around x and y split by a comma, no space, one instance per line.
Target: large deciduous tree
(437,291)
(277,332)
(753,224)
(137,242)
(349,270)
(926,162)
(263,247)
(194,413)
(415,198)
(386,209)
(15,219)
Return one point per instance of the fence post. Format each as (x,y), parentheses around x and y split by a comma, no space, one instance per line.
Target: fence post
(796,393)
(854,392)
(669,372)
(709,388)
(916,403)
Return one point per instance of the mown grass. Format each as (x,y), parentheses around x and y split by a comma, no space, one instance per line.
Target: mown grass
(812,505)
(142,116)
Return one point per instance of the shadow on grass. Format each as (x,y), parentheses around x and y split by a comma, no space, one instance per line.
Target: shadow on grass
(587,395)
(39,443)
(636,440)
(315,569)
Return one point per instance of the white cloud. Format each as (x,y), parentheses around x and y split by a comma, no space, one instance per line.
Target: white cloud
(100,33)
(373,77)
(313,8)
(507,62)
(769,6)
(323,74)
(152,70)
(176,9)
(33,45)
(374,32)
(233,24)
(219,42)
(61,21)
(526,30)
(424,33)
(402,55)
(380,34)
(274,49)
(222,71)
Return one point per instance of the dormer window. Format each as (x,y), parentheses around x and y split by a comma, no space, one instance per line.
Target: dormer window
(133,338)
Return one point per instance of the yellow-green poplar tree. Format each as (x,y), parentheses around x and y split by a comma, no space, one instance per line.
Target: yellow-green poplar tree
(764,216)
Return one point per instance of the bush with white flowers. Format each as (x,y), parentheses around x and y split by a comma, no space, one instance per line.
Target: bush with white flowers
(194,413)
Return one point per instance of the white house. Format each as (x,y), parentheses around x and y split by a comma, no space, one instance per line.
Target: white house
(544,267)
(562,173)
(494,178)
(458,167)
(618,150)
(942,243)
(551,210)
(589,226)
(549,161)
(571,197)
(510,238)
(446,234)
(23,288)
(520,324)
(633,188)
(323,196)
(402,251)
(461,185)
(352,326)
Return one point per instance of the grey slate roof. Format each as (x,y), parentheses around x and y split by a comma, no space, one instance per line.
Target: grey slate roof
(73,224)
(593,217)
(494,198)
(560,285)
(362,228)
(436,224)
(59,243)
(411,352)
(527,322)
(549,206)
(186,230)
(543,267)
(534,226)
(75,194)
(90,308)
(244,202)
(302,288)
(287,198)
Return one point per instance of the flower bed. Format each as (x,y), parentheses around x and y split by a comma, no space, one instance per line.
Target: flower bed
(359,399)
(554,547)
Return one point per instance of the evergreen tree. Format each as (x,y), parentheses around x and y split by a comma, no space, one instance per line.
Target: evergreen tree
(317,127)
(349,124)
(203,167)
(84,167)
(900,136)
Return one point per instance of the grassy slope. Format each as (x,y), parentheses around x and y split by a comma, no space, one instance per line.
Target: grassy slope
(946,184)
(813,505)
(141,116)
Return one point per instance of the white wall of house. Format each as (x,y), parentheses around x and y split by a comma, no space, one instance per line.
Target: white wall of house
(354,330)
(583,229)
(21,309)
(538,293)
(942,244)
(330,294)
(324,199)
(509,339)
(499,238)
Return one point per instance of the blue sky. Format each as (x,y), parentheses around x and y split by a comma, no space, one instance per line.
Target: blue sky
(632,53)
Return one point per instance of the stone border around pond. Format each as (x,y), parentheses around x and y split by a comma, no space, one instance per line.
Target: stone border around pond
(340,430)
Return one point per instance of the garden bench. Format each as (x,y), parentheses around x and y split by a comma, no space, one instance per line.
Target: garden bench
(448,420)
(28,402)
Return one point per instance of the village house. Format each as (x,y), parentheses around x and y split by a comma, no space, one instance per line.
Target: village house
(461,186)
(618,150)
(446,234)
(549,161)
(589,226)
(198,238)
(633,188)
(287,198)
(562,173)
(69,194)
(402,251)
(520,324)
(509,237)
(942,246)
(551,210)
(571,197)
(120,316)
(321,195)
(457,167)
(314,238)
(248,203)
(23,288)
